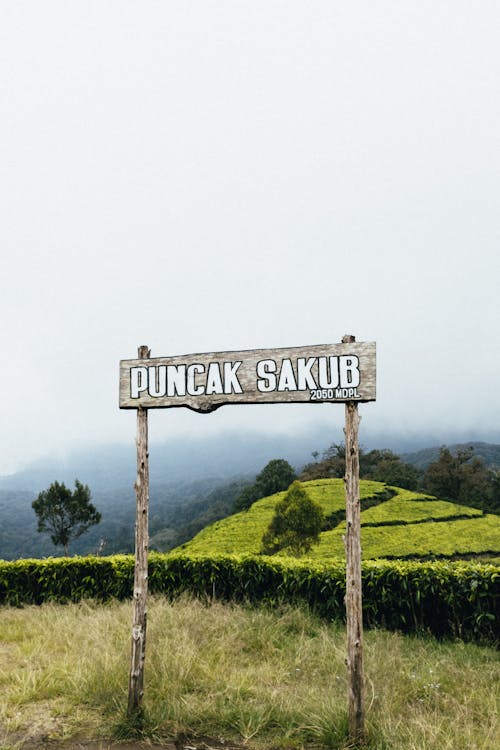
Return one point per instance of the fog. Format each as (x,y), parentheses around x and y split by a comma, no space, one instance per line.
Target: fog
(203,177)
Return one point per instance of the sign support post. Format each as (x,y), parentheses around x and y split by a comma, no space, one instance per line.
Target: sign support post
(136,680)
(354,606)
(324,373)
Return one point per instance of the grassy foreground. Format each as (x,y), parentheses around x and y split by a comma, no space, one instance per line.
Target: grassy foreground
(267,679)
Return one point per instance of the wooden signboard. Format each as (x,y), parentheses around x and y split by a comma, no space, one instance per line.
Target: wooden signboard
(204,382)
(330,373)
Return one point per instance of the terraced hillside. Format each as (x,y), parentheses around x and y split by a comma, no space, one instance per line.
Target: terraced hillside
(395,523)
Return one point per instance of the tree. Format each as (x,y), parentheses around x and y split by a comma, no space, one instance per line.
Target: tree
(296,524)
(332,464)
(63,514)
(494,504)
(385,466)
(276,476)
(460,477)
(246,498)
(379,465)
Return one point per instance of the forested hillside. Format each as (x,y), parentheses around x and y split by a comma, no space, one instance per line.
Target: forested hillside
(177,512)
(193,498)
(193,483)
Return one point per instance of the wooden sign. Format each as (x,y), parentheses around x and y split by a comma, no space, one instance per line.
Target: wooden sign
(313,374)
(204,382)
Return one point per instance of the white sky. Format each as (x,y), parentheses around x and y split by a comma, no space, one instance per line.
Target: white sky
(205,176)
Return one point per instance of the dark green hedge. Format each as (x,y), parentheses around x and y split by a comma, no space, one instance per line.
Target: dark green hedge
(457,599)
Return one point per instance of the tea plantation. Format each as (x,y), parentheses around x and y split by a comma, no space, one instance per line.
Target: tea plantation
(395,524)
(429,566)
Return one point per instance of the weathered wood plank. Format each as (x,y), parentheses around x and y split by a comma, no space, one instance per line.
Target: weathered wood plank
(313,374)
(139,621)
(354,605)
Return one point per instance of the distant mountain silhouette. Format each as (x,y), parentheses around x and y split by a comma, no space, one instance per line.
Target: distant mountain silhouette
(489,452)
(194,482)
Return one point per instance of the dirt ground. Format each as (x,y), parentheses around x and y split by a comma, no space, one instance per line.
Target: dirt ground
(39,743)
(93,745)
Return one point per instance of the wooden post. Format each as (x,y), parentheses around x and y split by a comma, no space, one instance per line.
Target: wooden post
(354,610)
(136,681)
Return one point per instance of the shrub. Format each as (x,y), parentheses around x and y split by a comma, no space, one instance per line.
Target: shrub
(453,599)
(296,524)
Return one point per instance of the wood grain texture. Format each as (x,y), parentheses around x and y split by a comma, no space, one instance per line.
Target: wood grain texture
(354,608)
(324,373)
(139,620)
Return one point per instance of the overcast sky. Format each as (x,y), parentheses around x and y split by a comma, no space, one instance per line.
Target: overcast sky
(203,176)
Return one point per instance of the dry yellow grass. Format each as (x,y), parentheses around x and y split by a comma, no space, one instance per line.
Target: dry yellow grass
(268,679)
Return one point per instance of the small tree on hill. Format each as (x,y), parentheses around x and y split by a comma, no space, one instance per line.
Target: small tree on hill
(277,475)
(63,514)
(296,524)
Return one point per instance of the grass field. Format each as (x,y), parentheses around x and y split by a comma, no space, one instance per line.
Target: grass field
(408,525)
(270,679)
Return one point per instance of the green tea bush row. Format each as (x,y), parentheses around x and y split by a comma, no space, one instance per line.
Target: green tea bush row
(66,579)
(446,599)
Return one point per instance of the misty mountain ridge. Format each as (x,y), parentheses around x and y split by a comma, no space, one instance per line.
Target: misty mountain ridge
(187,476)
(185,459)
(489,452)
(193,482)
(111,467)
